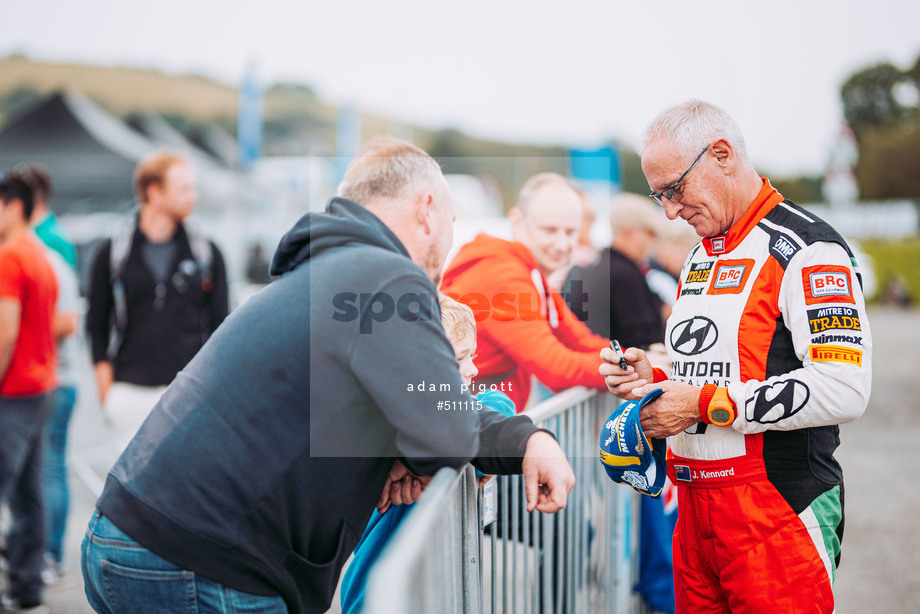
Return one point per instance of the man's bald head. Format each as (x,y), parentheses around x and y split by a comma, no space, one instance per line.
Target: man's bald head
(547,219)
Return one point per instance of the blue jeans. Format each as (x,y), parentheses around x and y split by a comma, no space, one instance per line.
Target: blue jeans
(21,422)
(122,577)
(54,472)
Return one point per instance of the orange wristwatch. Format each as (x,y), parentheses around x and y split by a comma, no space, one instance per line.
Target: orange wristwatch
(716,407)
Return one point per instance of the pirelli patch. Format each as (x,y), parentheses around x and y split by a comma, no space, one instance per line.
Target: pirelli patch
(835,353)
(833,318)
(730,276)
(827,284)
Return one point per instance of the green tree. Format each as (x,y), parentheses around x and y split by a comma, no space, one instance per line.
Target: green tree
(802,189)
(869,98)
(882,105)
(889,162)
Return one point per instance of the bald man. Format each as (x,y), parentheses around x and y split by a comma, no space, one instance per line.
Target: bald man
(524,327)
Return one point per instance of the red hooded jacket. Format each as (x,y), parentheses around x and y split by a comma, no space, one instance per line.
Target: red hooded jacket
(524,327)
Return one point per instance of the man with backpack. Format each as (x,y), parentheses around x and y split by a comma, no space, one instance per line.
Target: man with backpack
(158,289)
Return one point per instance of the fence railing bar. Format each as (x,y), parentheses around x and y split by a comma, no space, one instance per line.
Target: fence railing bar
(581,559)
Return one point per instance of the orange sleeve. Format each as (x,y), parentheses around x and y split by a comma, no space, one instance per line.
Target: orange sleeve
(517,327)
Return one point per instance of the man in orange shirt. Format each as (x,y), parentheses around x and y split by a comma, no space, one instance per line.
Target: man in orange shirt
(524,327)
(28,293)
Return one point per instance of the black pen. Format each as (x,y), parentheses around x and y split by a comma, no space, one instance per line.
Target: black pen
(615,346)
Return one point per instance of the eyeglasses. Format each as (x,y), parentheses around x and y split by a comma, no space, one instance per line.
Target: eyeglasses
(674,191)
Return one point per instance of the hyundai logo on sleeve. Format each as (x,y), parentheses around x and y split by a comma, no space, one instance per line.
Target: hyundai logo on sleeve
(778,401)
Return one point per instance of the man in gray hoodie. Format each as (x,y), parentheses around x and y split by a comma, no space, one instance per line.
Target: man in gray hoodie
(331,391)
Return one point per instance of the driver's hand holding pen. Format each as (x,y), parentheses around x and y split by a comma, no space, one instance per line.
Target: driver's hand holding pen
(626,370)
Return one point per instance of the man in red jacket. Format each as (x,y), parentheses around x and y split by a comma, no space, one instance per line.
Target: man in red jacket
(524,327)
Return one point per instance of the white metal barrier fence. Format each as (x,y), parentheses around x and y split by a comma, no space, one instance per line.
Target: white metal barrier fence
(466,550)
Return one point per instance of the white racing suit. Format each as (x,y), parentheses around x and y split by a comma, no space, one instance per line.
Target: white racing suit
(774,312)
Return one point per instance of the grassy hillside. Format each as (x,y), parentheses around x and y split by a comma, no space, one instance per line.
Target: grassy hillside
(122,90)
(296,121)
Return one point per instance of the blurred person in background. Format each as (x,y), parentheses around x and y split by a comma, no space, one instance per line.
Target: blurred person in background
(583,253)
(620,304)
(28,293)
(771,351)
(44,223)
(61,255)
(896,292)
(675,240)
(158,289)
(524,327)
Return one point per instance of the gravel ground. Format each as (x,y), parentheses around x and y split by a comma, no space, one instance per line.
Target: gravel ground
(879,453)
(881,463)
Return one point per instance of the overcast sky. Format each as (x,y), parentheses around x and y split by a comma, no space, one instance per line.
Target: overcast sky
(571,73)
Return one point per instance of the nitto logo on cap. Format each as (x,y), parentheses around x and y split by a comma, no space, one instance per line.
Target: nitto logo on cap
(636,480)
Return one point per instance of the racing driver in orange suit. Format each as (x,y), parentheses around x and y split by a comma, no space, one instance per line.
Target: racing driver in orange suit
(771,350)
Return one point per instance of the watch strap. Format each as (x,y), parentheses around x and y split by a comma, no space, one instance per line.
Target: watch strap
(706,396)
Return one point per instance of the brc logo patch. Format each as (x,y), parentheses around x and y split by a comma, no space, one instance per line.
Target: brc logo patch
(835,353)
(833,318)
(827,284)
(730,276)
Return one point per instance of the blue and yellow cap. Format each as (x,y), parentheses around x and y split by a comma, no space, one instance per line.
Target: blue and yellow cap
(630,457)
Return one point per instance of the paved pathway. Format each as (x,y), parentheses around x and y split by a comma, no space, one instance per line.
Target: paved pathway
(880,454)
